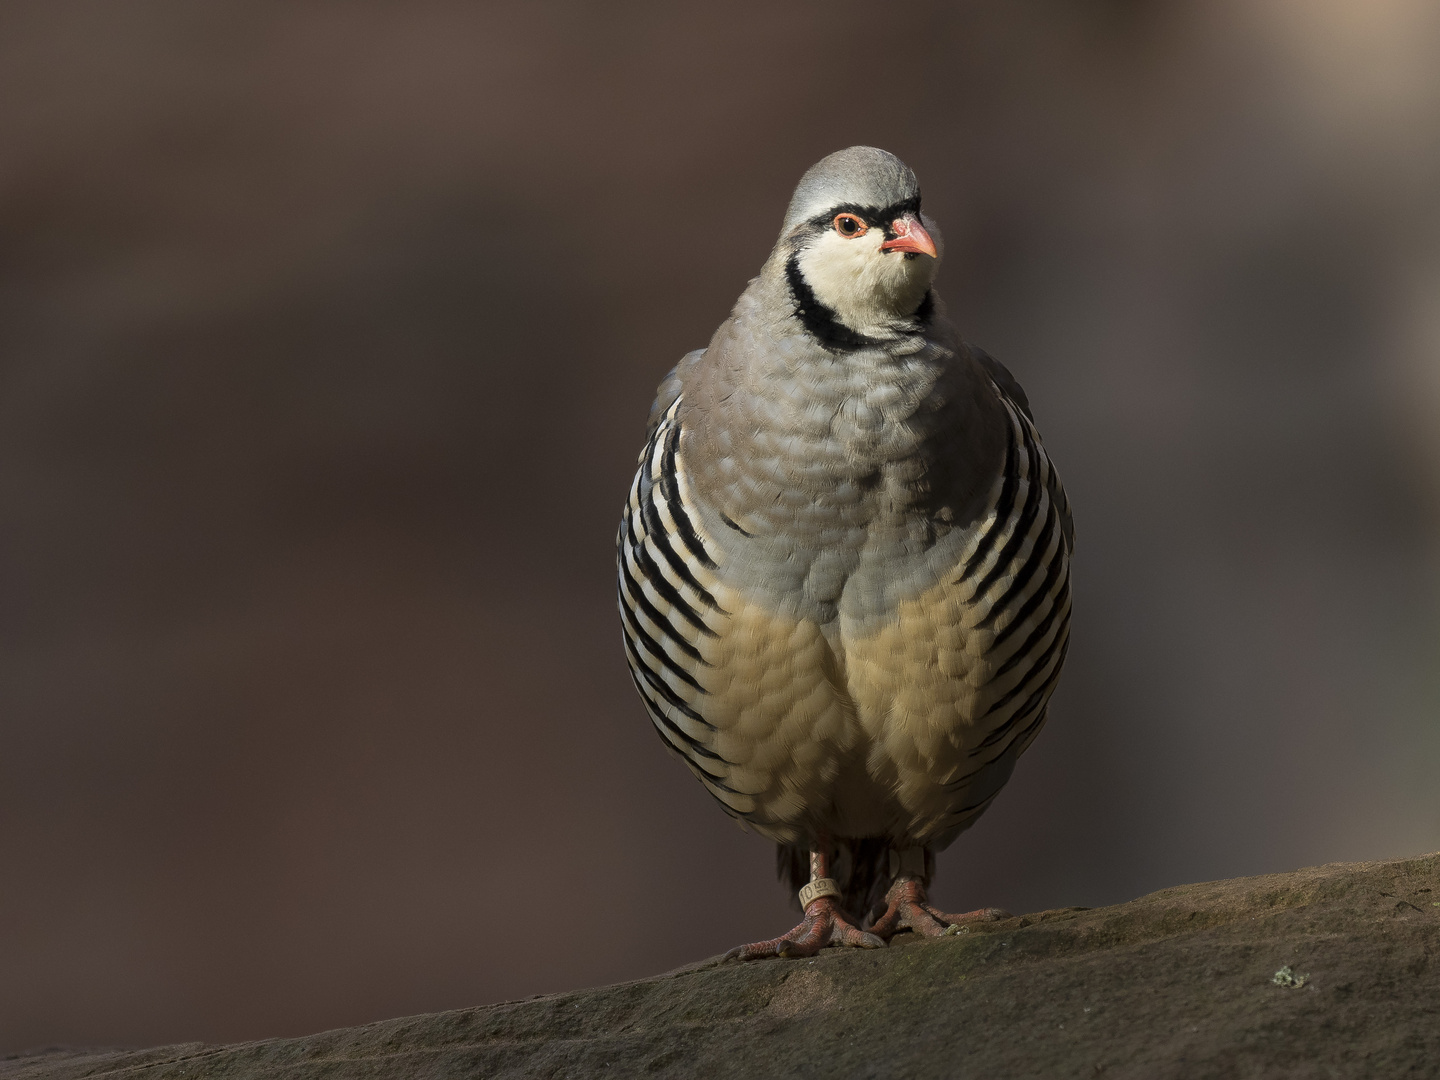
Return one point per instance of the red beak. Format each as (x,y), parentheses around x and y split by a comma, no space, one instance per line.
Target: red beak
(910,237)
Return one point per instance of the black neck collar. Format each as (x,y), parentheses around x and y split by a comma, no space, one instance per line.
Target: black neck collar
(824,325)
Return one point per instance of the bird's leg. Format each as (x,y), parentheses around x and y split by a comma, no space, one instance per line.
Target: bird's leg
(908,908)
(824,923)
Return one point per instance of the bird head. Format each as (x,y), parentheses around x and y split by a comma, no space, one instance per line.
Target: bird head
(858,251)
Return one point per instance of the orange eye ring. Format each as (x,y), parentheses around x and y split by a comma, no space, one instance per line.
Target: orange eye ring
(849,226)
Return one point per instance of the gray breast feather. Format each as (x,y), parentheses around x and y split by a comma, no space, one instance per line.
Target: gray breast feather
(853,554)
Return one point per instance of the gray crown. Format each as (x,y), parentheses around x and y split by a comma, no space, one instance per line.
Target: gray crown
(859,174)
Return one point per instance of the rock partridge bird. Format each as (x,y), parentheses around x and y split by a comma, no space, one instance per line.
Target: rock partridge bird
(844,562)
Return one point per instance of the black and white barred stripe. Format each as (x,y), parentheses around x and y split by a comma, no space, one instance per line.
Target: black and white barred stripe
(1015,572)
(1018,570)
(667,612)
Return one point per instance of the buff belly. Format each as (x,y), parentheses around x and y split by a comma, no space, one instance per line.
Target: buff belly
(846,730)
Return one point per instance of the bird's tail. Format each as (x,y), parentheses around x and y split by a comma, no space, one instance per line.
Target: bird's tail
(860,867)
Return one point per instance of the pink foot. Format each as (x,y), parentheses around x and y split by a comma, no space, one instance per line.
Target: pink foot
(824,924)
(906,909)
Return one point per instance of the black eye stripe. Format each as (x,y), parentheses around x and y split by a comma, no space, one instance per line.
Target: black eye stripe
(874,217)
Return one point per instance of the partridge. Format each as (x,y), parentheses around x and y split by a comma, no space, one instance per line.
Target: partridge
(844,562)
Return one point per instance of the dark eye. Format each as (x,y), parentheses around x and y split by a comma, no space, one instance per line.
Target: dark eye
(849,225)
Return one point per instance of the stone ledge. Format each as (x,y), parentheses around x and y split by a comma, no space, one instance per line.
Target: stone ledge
(1178,983)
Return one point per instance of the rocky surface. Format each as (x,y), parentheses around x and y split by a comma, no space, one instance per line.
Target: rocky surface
(1181,983)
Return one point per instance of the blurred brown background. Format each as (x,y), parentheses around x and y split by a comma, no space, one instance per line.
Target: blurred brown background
(328,334)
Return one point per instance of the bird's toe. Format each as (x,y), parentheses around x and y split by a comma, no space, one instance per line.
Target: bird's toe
(824,925)
(907,908)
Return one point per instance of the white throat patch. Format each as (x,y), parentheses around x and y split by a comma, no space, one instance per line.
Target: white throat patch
(873,292)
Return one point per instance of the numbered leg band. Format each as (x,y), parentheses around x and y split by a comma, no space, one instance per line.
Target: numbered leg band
(816,889)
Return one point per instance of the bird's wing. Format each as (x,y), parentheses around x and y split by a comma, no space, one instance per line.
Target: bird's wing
(731,686)
(667,595)
(1007,383)
(1012,392)
(669,389)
